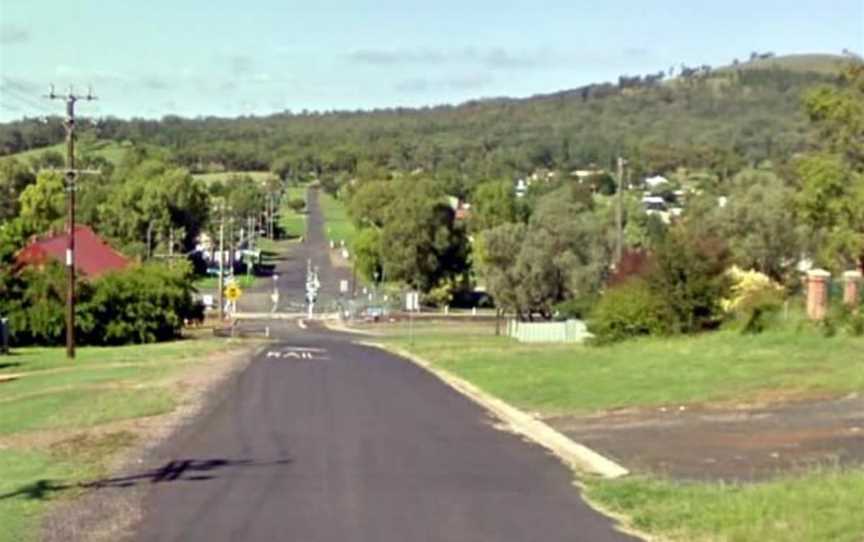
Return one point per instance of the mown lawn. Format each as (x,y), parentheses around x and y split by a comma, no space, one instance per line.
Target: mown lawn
(222,176)
(817,506)
(49,407)
(820,506)
(293,223)
(337,225)
(576,379)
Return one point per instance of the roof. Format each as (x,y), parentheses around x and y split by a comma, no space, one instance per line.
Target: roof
(93,256)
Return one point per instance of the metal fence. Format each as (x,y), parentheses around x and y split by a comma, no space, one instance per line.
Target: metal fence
(571,331)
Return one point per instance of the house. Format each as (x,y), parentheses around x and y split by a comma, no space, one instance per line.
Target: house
(655,181)
(93,256)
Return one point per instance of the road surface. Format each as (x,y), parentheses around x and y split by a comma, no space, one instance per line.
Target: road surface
(322,440)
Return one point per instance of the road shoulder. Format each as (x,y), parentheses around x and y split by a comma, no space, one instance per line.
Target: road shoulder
(108,512)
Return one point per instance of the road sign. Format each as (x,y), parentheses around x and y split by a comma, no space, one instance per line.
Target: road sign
(233,292)
(343,286)
(412,301)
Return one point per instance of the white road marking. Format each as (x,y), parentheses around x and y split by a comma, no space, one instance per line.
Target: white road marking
(301,323)
(297,352)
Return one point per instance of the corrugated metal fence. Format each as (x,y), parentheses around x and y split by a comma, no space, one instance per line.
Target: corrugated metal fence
(571,331)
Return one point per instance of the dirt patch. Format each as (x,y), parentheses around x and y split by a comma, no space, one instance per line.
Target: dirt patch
(730,444)
(106,513)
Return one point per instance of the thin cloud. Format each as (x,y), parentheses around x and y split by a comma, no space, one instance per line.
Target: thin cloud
(241,65)
(419,85)
(493,59)
(12,35)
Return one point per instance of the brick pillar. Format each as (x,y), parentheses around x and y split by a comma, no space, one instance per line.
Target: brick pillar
(852,288)
(817,293)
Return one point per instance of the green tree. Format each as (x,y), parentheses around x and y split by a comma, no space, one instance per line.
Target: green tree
(494,203)
(14,178)
(43,203)
(832,180)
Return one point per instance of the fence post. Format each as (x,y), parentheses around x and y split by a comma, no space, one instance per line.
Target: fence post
(817,294)
(852,289)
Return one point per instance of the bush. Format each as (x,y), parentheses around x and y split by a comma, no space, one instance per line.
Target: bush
(579,308)
(629,310)
(689,275)
(754,299)
(297,204)
(140,305)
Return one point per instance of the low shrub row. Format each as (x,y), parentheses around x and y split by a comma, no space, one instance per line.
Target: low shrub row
(143,304)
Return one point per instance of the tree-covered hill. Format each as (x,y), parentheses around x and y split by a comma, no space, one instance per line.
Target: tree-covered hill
(719,119)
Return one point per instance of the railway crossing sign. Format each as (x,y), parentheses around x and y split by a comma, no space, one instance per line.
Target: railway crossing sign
(233,292)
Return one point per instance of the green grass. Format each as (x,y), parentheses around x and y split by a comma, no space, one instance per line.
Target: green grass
(721,366)
(292,222)
(222,176)
(821,506)
(51,393)
(112,151)
(28,483)
(337,225)
(212,283)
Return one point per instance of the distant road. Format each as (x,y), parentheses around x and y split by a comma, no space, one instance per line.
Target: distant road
(324,440)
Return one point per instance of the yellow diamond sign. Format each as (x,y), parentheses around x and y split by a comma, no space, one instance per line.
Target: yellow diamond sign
(233,292)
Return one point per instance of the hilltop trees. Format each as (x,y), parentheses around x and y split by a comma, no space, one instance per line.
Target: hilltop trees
(832,180)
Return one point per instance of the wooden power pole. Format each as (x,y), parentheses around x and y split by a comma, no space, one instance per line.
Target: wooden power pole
(619,212)
(71,175)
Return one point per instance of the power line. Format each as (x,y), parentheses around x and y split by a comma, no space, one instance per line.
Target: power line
(71,175)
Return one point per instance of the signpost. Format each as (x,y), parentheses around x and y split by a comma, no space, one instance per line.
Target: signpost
(412,305)
(312,286)
(274,297)
(232,294)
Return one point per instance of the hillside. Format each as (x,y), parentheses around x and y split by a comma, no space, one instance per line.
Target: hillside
(804,63)
(720,119)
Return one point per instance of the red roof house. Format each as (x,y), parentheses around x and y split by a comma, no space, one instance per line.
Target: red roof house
(93,256)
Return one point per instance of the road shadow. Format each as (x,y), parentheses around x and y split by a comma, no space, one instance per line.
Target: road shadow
(178,470)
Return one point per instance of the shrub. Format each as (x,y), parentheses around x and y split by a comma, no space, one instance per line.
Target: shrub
(629,310)
(141,305)
(297,204)
(754,298)
(689,275)
(579,307)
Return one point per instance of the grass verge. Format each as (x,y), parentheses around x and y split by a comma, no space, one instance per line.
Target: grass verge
(338,226)
(53,416)
(575,379)
(821,506)
(818,506)
(293,223)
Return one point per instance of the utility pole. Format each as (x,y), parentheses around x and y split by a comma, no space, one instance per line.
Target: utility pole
(619,218)
(222,264)
(71,175)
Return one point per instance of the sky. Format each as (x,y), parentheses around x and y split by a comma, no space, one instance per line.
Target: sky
(255,57)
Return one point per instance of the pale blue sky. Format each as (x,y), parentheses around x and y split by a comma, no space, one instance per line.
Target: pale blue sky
(213,57)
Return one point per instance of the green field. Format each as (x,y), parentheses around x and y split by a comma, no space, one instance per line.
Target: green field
(337,225)
(721,366)
(222,176)
(112,151)
(293,223)
(820,505)
(212,283)
(51,410)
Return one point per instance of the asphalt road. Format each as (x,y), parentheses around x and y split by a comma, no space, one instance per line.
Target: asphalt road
(291,271)
(321,440)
